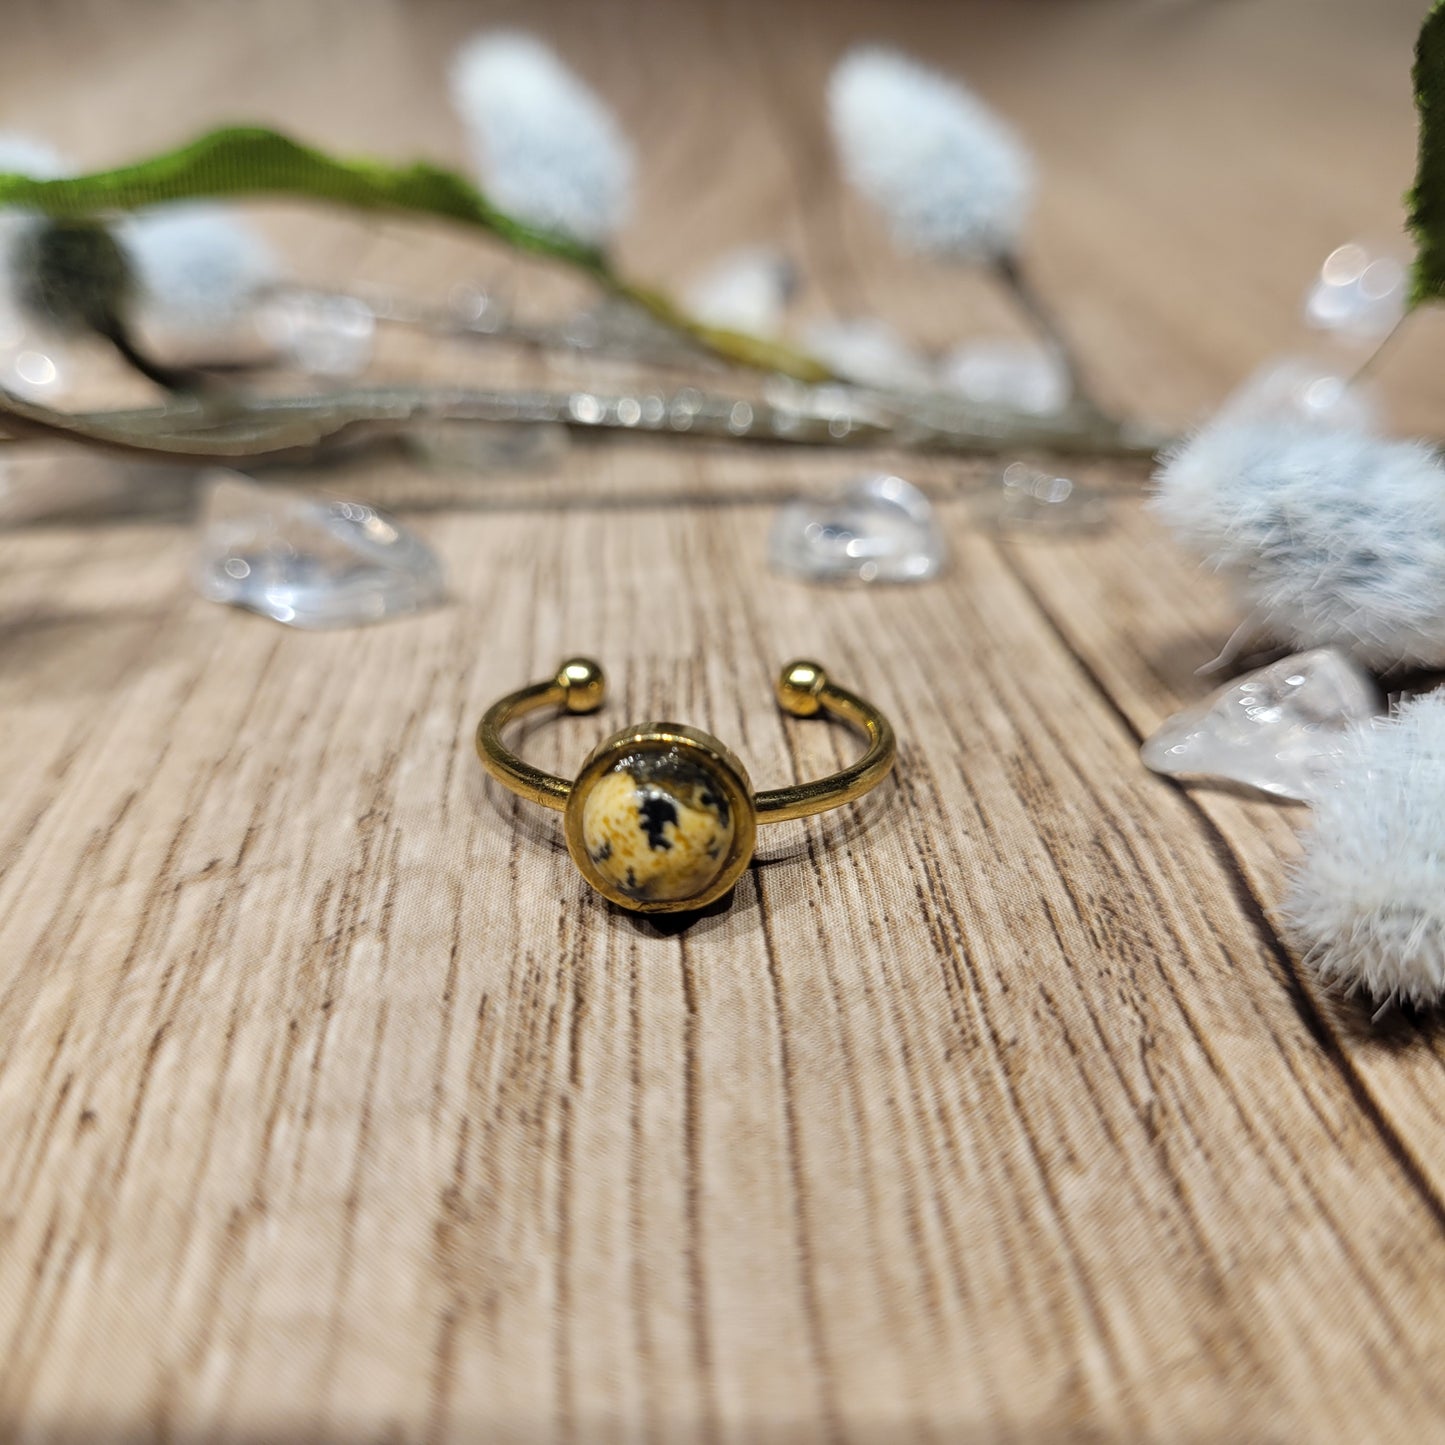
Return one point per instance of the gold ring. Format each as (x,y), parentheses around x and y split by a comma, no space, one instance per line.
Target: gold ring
(662,817)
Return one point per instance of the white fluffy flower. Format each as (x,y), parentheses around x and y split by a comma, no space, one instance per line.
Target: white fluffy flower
(199,267)
(867,350)
(744,290)
(1334,537)
(1368,897)
(949,175)
(24,156)
(548,150)
(1021,375)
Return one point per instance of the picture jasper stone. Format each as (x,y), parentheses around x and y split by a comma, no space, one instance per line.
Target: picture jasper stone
(657,826)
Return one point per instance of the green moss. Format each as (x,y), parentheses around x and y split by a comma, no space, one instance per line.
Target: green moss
(1427,199)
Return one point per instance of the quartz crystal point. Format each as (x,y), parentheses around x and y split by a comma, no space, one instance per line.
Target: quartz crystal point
(1280,729)
(878,529)
(1360,293)
(309,561)
(31,357)
(1303,388)
(1031,502)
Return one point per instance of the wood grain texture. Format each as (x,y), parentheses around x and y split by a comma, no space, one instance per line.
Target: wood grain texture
(332,1104)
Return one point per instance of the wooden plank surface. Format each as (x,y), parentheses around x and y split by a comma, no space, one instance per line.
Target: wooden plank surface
(331,1103)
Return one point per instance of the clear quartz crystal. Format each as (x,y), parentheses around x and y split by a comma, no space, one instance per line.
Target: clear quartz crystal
(322,334)
(1359,293)
(1018,375)
(1279,729)
(1303,388)
(32,363)
(1031,501)
(306,560)
(877,529)
(34,373)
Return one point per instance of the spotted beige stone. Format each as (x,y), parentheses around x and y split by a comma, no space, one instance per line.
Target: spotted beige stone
(657,826)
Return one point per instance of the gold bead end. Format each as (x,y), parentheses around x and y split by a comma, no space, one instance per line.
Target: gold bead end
(582,683)
(799,686)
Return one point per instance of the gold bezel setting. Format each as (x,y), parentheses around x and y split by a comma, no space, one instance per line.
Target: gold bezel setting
(711,758)
(672,791)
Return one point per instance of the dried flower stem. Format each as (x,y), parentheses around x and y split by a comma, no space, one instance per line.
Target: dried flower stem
(1372,361)
(1017,281)
(737,347)
(211,429)
(661,347)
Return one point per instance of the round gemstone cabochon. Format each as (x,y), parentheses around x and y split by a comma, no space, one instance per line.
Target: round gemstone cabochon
(657,825)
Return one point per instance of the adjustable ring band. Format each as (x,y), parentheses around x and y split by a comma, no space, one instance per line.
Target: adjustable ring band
(662,817)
